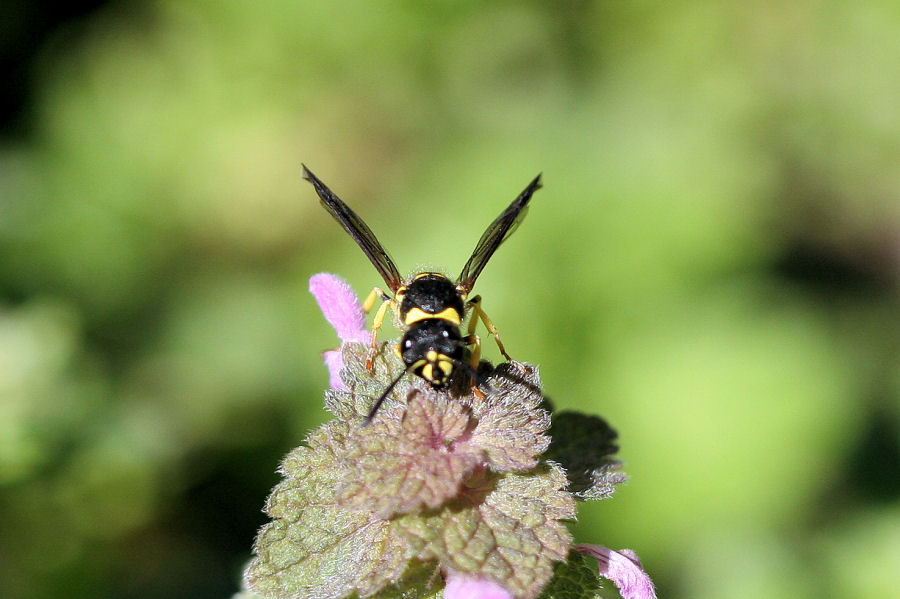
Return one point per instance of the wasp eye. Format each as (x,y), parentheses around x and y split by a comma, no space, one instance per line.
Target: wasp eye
(407,343)
(446,333)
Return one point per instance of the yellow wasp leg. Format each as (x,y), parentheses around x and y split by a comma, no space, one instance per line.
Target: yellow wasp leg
(374,295)
(474,359)
(475,353)
(478,314)
(377,321)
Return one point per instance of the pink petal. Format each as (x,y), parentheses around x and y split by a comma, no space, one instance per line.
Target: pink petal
(340,306)
(334,361)
(624,570)
(461,586)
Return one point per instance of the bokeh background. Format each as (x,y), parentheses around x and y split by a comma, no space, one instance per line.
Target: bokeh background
(713,265)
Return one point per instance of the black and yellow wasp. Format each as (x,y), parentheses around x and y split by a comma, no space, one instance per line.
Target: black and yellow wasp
(429,306)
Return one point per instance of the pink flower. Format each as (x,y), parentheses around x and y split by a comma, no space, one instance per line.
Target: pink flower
(344,312)
(462,586)
(624,569)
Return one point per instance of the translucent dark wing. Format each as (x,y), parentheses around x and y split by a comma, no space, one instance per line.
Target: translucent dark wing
(496,234)
(358,230)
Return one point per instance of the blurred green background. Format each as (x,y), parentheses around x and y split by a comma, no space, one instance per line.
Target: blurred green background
(713,265)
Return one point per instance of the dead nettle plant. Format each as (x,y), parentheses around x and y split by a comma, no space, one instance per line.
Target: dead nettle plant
(446,492)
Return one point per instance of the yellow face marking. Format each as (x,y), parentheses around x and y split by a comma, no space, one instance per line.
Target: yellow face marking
(431,355)
(428,372)
(446,367)
(417,314)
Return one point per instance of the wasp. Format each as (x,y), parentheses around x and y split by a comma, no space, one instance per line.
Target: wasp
(428,306)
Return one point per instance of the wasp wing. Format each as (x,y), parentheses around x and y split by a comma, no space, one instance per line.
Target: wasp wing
(496,233)
(358,230)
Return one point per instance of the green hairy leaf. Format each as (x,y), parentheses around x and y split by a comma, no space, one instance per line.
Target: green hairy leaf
(315,547)
(584,446)
(574,578)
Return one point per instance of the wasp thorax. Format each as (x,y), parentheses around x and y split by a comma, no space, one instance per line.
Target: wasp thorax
(430,295)
(431,349)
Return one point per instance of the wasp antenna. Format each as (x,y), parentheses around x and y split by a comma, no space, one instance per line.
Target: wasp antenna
(368,419)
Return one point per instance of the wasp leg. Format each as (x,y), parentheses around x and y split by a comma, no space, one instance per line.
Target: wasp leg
(478,314)
(474,341)
(474,360)
(377,321)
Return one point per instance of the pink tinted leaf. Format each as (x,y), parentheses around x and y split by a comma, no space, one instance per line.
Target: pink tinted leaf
(400,463)
(511,423)
(504,527)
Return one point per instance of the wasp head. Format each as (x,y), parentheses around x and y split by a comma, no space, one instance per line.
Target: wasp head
(431,348)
